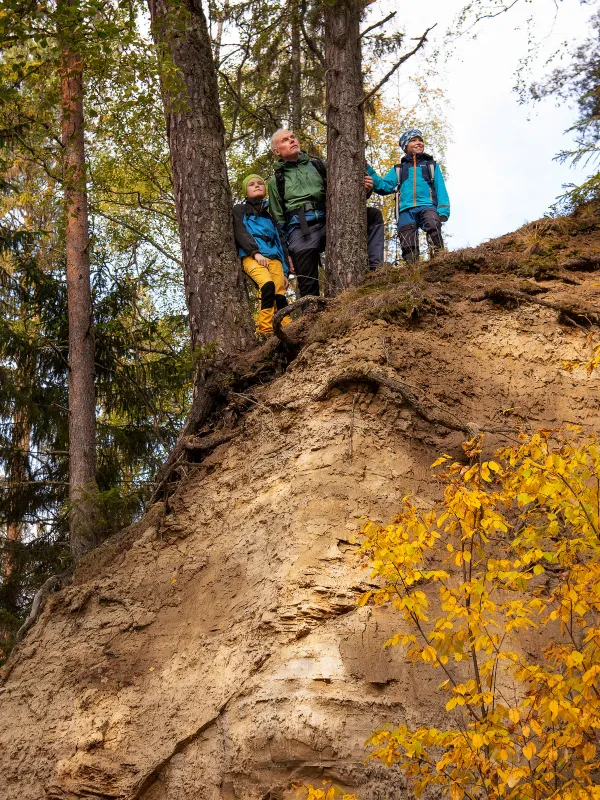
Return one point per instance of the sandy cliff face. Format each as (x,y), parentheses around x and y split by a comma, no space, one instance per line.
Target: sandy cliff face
(215,652)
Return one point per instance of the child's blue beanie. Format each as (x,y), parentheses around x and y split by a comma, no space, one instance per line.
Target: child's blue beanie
(408,135)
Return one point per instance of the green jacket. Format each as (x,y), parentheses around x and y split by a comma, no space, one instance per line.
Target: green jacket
(303,184)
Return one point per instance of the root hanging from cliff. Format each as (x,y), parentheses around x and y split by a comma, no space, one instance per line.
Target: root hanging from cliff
(569,313)
(38,605)
(280,315)
(374,377)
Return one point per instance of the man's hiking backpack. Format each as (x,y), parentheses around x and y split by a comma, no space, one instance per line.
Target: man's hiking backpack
(428,170)
(280,179)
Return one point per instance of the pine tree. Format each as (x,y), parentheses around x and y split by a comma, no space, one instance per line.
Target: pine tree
(215,293)
(82,401)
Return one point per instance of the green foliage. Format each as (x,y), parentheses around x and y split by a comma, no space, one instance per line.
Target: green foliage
(143,369)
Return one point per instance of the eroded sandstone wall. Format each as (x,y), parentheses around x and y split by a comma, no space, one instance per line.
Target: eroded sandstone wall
(216,652)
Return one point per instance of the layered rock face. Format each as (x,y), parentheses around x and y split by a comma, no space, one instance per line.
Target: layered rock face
(215,651)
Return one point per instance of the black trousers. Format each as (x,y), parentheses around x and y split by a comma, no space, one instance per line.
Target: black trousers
(409,223)
(306,250)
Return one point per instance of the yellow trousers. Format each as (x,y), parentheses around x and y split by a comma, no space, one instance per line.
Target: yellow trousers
(271,282)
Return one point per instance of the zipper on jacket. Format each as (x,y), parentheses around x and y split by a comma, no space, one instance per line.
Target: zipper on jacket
(414,179)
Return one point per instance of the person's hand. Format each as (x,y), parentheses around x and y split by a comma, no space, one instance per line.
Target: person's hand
(261,260)
(444,219)
(286,283)
(292,268)
(368,183)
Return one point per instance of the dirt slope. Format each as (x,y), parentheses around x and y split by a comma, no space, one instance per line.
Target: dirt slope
(215,650)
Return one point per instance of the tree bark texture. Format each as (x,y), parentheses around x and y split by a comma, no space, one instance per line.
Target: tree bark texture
(346,215)
(82,399)
(296,70)
(216,297)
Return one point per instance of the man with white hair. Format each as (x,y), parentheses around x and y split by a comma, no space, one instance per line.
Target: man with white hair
(297,202)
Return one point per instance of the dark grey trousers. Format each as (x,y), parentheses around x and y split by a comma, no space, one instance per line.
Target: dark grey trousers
(306,248)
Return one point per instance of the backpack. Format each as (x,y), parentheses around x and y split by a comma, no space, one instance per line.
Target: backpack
(280,179)
(428,170)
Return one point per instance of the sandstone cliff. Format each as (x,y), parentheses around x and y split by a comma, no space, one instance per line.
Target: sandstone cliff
(215,650)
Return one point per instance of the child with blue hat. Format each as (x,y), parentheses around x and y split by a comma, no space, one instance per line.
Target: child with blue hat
(421,196)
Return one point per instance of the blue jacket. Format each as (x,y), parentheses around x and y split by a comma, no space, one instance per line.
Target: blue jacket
(256,232)
(415,189)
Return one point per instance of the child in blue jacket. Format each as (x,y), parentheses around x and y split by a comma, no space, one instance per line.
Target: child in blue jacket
(264,255)
(421,199)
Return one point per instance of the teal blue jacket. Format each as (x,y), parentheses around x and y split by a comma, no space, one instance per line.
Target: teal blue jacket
(415,189)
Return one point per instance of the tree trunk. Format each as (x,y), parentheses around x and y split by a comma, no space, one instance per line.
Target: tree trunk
(82,400)
(296,70)
(221,15)
(346,213)
(217,301)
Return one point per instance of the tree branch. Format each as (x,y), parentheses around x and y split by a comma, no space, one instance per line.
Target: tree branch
(308,39)
(135,230)
(404,58)
(377,24)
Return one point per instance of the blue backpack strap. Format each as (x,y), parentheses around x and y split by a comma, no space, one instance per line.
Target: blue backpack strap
(429,175)
(401,176)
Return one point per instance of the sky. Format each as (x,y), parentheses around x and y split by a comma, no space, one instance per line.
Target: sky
(500,165)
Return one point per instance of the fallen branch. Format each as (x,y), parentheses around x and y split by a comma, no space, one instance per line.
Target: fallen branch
(373,376)
(284,312)
(37,606)
(571,313)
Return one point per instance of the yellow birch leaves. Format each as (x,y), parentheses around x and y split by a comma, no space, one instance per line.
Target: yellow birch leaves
(514,546)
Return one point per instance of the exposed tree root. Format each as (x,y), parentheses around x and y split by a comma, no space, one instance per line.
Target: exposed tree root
(203,444)
(378,378)
(284,312)
(570,313)
(206,392)
(583,264)
(212,390)
(37,606)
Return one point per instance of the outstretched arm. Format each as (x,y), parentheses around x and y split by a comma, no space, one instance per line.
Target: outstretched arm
(386,185)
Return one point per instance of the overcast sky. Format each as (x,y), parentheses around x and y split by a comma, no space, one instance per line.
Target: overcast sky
(501,172)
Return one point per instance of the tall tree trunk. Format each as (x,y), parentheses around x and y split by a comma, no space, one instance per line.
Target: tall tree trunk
(346,214)
(221,15)
(217,301)
(82,400)
(296,69)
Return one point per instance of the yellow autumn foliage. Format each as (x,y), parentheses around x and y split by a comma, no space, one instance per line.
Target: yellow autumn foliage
(513,546)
